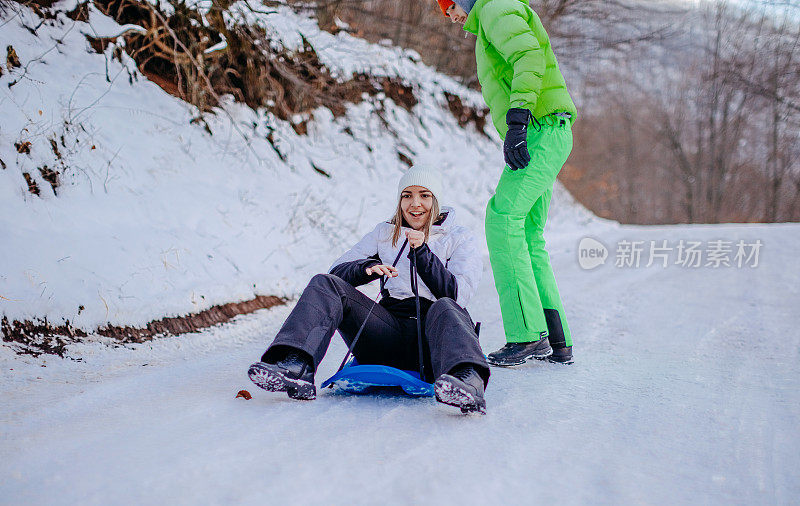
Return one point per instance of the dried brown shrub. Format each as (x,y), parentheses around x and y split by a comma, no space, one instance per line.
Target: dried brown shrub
(171,54)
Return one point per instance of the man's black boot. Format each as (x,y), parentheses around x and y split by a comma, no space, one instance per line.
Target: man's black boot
(292,374)
(562,354)
(463,388)
(518,353)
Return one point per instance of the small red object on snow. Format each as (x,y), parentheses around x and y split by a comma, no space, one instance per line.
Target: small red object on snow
(245,394)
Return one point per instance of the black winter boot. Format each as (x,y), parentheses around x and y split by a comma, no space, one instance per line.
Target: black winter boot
(518,353)
(562,354)
(292,374)
(463,388)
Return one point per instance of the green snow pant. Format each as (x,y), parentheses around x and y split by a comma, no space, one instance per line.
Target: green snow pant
(515,219)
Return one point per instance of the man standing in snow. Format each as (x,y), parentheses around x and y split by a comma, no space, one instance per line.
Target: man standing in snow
(533,113)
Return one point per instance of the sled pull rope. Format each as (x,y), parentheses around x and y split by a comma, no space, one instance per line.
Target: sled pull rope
(364,323)
(415,289)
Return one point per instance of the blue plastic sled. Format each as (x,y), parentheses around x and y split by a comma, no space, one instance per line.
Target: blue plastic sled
(358,379)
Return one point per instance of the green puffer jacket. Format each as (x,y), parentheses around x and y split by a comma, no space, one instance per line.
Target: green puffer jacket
(516,65)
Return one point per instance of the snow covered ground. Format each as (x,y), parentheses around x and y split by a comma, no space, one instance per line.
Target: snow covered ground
(684,391)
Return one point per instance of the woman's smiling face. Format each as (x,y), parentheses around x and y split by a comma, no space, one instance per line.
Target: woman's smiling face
(416,203)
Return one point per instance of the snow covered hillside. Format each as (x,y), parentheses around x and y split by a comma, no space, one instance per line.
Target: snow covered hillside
(154,216)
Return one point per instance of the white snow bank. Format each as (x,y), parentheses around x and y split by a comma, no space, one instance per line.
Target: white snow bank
(155,217)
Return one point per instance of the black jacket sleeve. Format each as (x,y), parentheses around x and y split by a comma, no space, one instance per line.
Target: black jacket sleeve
(355,272)
(432,272)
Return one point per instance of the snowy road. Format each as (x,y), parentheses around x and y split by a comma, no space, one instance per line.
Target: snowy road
(685,390)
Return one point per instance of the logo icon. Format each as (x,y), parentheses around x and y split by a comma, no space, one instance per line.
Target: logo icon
(591,253)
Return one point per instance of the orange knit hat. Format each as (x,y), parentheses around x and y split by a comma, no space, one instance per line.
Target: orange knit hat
(444,5)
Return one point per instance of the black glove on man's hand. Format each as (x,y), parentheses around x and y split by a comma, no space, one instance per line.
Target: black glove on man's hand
(515,147)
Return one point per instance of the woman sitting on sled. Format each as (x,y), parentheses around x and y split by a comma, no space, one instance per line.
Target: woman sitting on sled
(449,268)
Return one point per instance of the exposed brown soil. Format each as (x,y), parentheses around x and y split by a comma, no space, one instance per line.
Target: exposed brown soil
(32,186)
(466,115)
(80,13)
(42,337)
(23,147)
(51,176)
(12,60)
(54,147)
(40,3)
(405,159)
(401,94)
(168,85)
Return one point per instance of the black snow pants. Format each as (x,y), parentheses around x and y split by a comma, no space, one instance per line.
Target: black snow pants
(329,303)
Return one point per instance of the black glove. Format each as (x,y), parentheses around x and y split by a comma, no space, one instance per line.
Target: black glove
(515,147)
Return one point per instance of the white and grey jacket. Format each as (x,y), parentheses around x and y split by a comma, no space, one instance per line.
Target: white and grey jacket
(449,264)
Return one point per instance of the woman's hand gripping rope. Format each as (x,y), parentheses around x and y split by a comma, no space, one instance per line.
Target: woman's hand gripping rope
(382,270)
(416,238)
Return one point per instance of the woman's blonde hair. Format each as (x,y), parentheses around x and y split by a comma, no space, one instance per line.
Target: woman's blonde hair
(397,220)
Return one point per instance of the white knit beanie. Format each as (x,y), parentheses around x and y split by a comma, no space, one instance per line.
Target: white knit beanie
(422,175)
